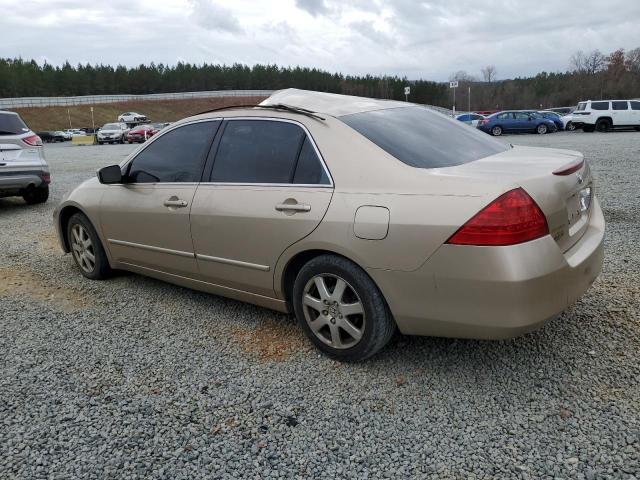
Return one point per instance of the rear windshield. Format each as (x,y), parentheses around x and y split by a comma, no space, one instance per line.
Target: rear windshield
(12,124)
(422,138)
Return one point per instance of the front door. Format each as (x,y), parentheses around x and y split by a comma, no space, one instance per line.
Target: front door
(268,188)
(146,219)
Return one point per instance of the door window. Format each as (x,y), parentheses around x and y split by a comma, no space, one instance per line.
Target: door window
(522,116)
(600,105)
(619,105)
(176,156)
(266,151)
(635,105)
(505,116)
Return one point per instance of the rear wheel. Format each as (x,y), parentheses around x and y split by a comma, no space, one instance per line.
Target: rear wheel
(496,131)
(541,129)
(570,127)
(33,195)
(340,309)
(603,125)
(86,248)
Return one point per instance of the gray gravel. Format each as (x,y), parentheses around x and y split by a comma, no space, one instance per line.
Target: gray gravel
(134,378)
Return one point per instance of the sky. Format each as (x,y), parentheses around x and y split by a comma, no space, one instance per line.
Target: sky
(418,39)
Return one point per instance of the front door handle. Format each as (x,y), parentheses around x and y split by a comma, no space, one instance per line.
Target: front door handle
(175,202)
(293,207)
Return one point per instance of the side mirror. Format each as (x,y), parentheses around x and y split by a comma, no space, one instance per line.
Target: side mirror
(110,175)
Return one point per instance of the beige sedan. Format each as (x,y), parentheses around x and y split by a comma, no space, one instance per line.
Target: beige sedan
(361,216)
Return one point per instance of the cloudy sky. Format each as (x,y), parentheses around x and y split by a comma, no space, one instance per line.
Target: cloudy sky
(420,39)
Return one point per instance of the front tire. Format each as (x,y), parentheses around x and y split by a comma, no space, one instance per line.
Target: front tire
(35,195)
(86,248)
(496,131)
(340,309)
(541,129)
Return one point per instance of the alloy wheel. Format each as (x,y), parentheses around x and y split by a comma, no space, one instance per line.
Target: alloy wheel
(82,248)
(333,310)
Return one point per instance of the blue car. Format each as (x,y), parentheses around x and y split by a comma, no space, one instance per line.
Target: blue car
(555,118)
(516,121)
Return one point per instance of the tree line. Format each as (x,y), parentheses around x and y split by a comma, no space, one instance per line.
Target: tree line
(590,75)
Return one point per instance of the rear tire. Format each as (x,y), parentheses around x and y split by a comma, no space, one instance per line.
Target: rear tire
(541,129)
(86,248)
(34,195)
(570,127)
(496,131)
(603,125)
(347,319)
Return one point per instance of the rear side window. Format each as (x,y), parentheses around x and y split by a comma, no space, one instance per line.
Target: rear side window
(423,138)
(310,170)
(619,105)
(600,105)
(177,156)
(635,105)
(257,151)
(12,124)
(505,116)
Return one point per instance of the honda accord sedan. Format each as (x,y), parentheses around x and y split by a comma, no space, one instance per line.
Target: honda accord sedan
(359,216)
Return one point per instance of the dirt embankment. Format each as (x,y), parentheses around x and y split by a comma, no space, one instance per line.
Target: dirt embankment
(57,118)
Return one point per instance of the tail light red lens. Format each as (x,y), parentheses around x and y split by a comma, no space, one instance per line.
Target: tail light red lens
(46,177)
(570,168)
(483,122)
(33,141)
(510,219)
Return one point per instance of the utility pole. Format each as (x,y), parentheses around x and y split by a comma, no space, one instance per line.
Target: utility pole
(454,85)
(69,117)
(469,101)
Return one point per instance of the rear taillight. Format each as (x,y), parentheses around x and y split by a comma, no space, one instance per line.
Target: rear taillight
(510,219)
(483,121)
(33,141)
(570,167)
(46,177)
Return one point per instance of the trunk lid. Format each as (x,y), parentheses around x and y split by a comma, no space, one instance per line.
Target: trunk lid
(562,198)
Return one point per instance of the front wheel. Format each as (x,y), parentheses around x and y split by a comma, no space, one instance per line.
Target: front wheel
(496,131)
(340,309)
(541,129)
(86,248)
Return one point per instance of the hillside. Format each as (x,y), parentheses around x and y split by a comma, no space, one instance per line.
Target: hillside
(56,118)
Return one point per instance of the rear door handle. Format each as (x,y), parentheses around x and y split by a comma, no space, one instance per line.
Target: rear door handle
(293,207)
(173,202)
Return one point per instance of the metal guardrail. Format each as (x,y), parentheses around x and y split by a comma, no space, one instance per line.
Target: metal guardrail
(24,102)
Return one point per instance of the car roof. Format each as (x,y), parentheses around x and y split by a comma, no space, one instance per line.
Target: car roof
(330,103)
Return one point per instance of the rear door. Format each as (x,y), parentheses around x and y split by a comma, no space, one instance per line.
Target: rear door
(635,112)
(621,113)
(146,219)
(267,188)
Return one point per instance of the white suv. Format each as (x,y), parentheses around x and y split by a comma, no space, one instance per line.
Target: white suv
(603,115)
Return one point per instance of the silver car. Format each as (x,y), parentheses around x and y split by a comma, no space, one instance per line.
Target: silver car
(113,133)
(23,169)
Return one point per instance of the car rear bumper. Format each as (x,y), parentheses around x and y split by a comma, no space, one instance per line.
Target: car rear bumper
(14,181)
(493,292)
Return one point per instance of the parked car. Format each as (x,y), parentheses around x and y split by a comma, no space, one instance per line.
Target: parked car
(516,121)
(112,133)
(470,118)
(23,169)
(556,118)
(562,110)
(51,137)
(605,115)
(388,215)
(141,133)
(74,131)
(131,117)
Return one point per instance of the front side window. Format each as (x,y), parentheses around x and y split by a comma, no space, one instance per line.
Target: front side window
(600,105)
(176,156)
(266,151)
(619,105)
(422,138)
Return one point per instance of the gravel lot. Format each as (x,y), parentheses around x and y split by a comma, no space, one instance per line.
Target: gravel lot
(134,378)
